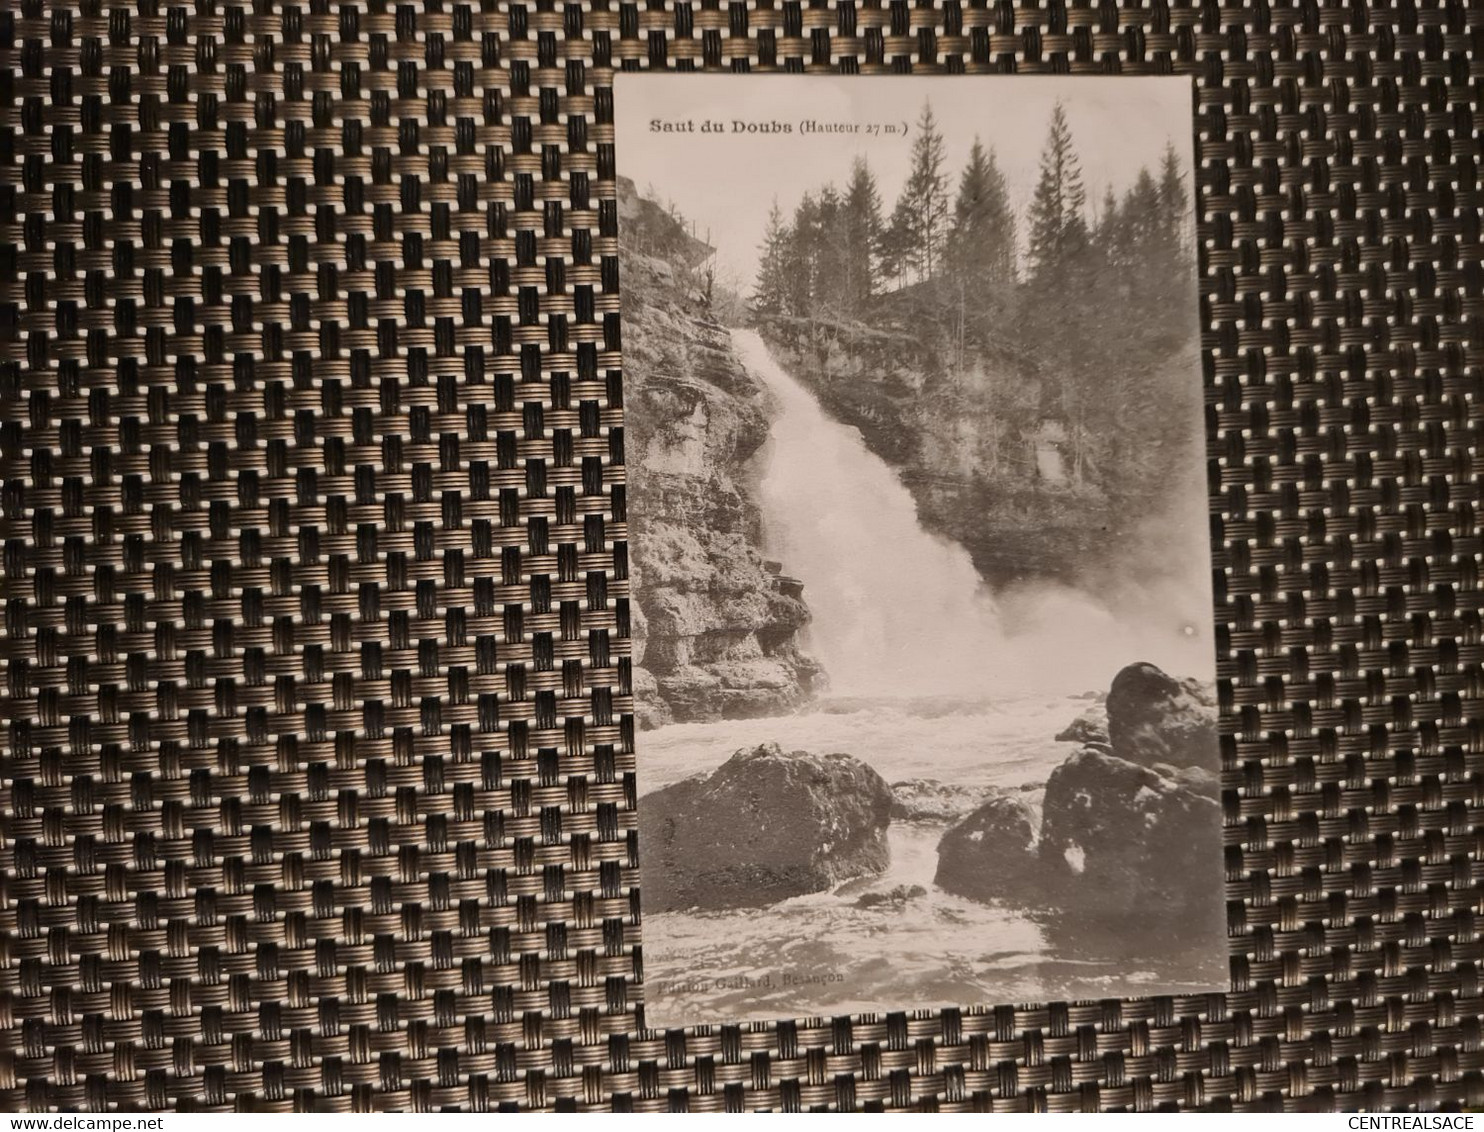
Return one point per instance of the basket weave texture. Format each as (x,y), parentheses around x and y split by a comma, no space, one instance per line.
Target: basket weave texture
(318,771)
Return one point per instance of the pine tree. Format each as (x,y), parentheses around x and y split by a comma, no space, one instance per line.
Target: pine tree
(1172,195)
(927,199)
(1143,222)
(1063,274)
(895,245)
(981,253)
(803,257)
(862,233)
(1108,212)
(1108,232)
(770,292)
(1058,232)
(830,255)
(1174,210)
(983,244)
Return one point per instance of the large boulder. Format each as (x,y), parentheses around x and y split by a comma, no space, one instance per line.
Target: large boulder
(766,825)
(1132,842)
(991,854)
(1154,718)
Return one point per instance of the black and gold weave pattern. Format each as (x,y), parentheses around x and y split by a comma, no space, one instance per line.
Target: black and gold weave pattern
(319,750)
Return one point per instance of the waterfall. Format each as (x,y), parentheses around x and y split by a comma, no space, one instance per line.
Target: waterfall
(897,610)
(900,612)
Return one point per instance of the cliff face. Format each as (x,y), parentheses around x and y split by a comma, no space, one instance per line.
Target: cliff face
(716,633)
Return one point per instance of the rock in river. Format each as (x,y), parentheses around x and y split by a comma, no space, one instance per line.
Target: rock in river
(990,855)
(1089,727)
(766,825)
(929,800)
(1131,839)
(1154,718)
(899,896)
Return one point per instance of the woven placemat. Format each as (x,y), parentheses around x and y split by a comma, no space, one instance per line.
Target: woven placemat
(318,783)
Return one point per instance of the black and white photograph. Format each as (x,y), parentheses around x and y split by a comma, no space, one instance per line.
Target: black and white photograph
(924,661)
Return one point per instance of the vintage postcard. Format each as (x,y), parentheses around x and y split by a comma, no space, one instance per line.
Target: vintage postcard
(924,651)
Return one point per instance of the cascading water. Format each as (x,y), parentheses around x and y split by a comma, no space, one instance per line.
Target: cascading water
(900,612)
(897,611)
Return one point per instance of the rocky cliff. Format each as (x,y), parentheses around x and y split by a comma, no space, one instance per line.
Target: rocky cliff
(716,624)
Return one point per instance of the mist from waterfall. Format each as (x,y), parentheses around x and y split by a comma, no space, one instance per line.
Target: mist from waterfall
(901,612)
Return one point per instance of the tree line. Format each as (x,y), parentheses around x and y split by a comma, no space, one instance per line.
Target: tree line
(838,250)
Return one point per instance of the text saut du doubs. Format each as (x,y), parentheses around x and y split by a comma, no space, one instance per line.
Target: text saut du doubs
(717,126)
